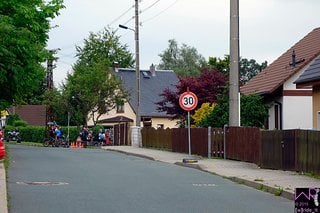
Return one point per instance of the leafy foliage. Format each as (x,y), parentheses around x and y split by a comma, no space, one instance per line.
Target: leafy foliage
(253,112)
(201,113)
(24,28)
(248,67)
(184,60)
(93,87)
(207,87)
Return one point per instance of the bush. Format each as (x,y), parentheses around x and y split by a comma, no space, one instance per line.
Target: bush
(20,123)
(37,134)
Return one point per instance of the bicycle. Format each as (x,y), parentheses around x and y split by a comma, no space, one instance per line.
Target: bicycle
(50,142)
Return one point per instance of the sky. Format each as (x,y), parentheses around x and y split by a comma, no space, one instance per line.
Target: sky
(267,27)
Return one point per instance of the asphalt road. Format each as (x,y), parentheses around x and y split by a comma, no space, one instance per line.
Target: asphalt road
(93,180)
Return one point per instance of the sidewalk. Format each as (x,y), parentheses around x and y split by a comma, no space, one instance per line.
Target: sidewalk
(3,190)
(273,181)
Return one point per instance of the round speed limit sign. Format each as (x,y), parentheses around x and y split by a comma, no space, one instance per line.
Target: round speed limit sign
(188,101)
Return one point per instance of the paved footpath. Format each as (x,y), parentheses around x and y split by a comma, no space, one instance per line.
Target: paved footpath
(3,189)
(273,181)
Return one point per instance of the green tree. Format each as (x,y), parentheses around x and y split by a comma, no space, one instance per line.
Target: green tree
(253,112)
(184,60)
(94,87)
(24,28)
(248,67)
(201,113)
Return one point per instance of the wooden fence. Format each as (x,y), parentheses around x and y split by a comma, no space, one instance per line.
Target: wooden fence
(243,143)
(295,150)
(176,140)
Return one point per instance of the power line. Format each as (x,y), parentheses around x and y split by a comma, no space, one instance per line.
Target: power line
(154,3)
(120,16)
(162,11)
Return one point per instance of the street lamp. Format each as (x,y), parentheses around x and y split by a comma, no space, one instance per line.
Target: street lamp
(136,33)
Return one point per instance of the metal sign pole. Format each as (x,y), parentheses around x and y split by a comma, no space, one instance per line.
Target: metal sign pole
(189,137)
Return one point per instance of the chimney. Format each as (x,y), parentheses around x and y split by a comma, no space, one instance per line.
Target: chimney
(115,66)
(153,70)
(293,62)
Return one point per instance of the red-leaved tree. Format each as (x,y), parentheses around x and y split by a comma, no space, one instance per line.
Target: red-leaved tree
(207,87)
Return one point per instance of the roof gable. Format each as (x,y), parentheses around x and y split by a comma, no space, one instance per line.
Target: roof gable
(151,86)
(274,76)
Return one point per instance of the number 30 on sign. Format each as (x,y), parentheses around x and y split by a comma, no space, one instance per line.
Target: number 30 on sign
(188,101)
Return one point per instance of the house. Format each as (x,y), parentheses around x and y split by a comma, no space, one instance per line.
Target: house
(311,78)
(152,84)
(34,115)
(290,107)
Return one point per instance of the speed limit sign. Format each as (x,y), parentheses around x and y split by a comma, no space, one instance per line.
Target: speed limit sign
(188,101)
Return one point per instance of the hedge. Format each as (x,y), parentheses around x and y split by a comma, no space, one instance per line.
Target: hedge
(37,133)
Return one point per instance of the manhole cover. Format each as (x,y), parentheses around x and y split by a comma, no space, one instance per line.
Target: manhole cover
(204,184)
(43,183)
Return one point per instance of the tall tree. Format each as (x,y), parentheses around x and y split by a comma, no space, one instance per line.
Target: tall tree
(94,87)
(24,28)
(248,67)
(184,60)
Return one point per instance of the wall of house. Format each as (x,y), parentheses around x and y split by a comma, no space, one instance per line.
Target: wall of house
(167,123)
(297,105)
(316,107)
(128,112)
(297,112)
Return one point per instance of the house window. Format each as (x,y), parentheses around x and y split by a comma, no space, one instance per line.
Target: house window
(120,108)
(160,126)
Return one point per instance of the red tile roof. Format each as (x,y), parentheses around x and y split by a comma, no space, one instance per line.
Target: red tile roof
(274,76)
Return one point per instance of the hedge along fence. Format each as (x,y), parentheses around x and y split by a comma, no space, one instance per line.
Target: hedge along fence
(37,133)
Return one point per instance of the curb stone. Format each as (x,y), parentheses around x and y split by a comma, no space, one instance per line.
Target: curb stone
(3,189)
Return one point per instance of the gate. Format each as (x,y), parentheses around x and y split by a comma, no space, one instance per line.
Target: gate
(278,149)
(120,135)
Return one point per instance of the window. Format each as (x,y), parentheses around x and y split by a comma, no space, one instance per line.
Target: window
(160,126)
(120,108)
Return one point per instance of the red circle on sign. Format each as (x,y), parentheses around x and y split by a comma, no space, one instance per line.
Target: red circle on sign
(188,101)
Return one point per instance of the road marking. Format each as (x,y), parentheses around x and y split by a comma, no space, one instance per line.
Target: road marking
(43,183)
(204,184)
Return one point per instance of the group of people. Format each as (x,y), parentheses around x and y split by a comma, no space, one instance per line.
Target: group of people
(103,137)
(56,132)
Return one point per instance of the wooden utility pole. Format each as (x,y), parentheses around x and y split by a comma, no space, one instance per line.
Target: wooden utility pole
(49,110)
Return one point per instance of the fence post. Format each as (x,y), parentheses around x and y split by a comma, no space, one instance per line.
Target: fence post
(209,142)
(224,141)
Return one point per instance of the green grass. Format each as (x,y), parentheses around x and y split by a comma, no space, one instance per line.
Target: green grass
(258,180)
(278,192)
(27,143)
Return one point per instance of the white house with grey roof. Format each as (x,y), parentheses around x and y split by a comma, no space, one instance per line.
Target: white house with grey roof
(152,84)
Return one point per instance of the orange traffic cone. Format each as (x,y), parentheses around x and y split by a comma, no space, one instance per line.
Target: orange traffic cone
(72,145)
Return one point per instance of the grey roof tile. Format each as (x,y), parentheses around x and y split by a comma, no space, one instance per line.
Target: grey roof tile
(311,74)
(150,89)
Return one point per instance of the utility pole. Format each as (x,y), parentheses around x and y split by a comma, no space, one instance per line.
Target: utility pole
(49,110)
(234,103)
(136,37)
